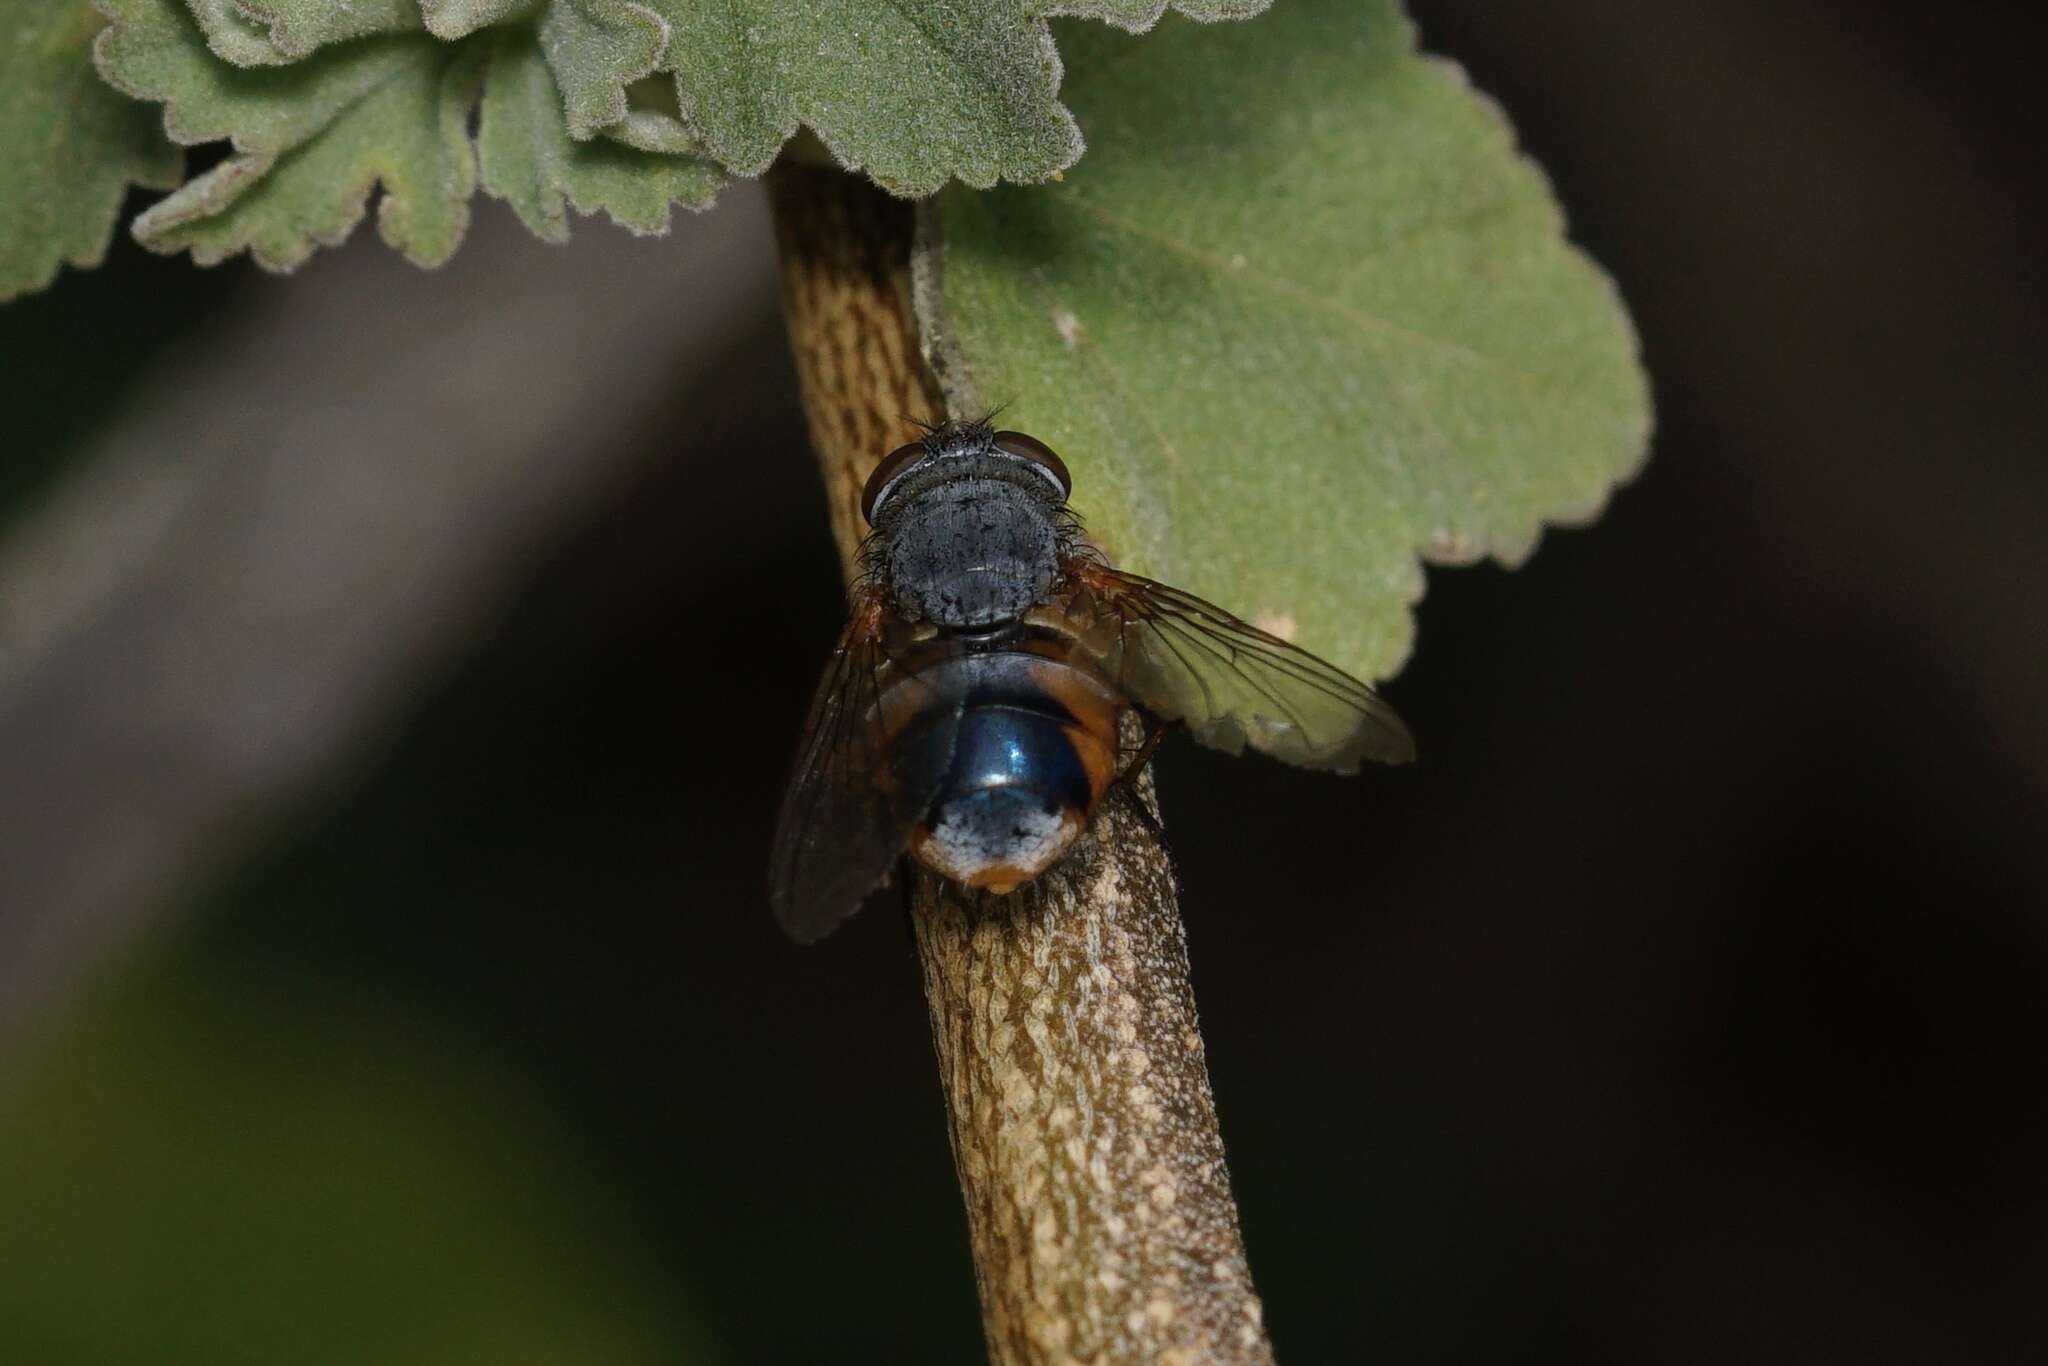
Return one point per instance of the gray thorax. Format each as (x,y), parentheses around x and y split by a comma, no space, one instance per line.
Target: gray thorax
(973,547)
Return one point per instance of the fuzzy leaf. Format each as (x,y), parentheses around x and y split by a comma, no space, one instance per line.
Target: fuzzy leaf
(1136,16)
(453,19)
(274,32)
(597,47)
(914,92)
(315,139)
(69,147)
(154,50)
(529,159)
(1302,316)
(652,122)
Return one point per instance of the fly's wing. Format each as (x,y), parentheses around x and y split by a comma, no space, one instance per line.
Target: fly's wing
(851,804)
(1183,659)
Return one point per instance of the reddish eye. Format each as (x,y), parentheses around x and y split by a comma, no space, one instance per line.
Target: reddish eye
(1038,453)
(892,467)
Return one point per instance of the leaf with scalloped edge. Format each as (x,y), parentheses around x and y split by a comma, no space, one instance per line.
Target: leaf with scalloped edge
(1303,317)
(913,92)
(275,32)
(529,159)
(313,141)
(652,122)
(597,47)
(453,19)
(154,50)
(916,91)
(1137,16)
(404,137)
(384,116)
(69,147)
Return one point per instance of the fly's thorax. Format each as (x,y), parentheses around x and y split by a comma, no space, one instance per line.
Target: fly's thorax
(972,547)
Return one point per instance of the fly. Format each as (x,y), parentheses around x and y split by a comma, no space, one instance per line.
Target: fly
(970,714)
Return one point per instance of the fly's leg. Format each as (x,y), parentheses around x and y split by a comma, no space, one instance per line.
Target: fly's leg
(1126,782)
(1142,755)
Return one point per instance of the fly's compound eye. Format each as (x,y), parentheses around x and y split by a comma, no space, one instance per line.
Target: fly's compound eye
(1038,453)
(894,466)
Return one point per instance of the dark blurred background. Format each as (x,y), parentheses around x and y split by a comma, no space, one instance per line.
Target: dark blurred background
(398,671)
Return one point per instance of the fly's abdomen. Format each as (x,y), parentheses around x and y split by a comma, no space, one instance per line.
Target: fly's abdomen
(1033,752)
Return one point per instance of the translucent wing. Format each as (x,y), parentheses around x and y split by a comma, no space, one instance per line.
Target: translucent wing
(1183,659)
(854,797)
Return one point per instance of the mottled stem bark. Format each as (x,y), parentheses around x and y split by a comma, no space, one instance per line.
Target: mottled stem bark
(1083,1126)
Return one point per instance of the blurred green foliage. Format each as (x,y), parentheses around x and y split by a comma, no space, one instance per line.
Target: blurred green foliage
(214,1168)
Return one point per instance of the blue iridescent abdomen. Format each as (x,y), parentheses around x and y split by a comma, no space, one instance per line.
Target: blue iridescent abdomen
(1032,749)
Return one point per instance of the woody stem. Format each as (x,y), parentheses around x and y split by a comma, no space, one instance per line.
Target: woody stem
(1084,1131)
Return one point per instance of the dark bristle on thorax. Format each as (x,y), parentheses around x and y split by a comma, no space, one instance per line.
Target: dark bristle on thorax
(947,430)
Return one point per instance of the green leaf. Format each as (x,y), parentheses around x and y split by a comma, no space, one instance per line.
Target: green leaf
(530,160)
(316,139)
(1302,316)
(1136,16)
(313,140)
(914,92)
(274,32)
(329,106)
(69,147)
(597,48)
(653,123)
(459,18)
